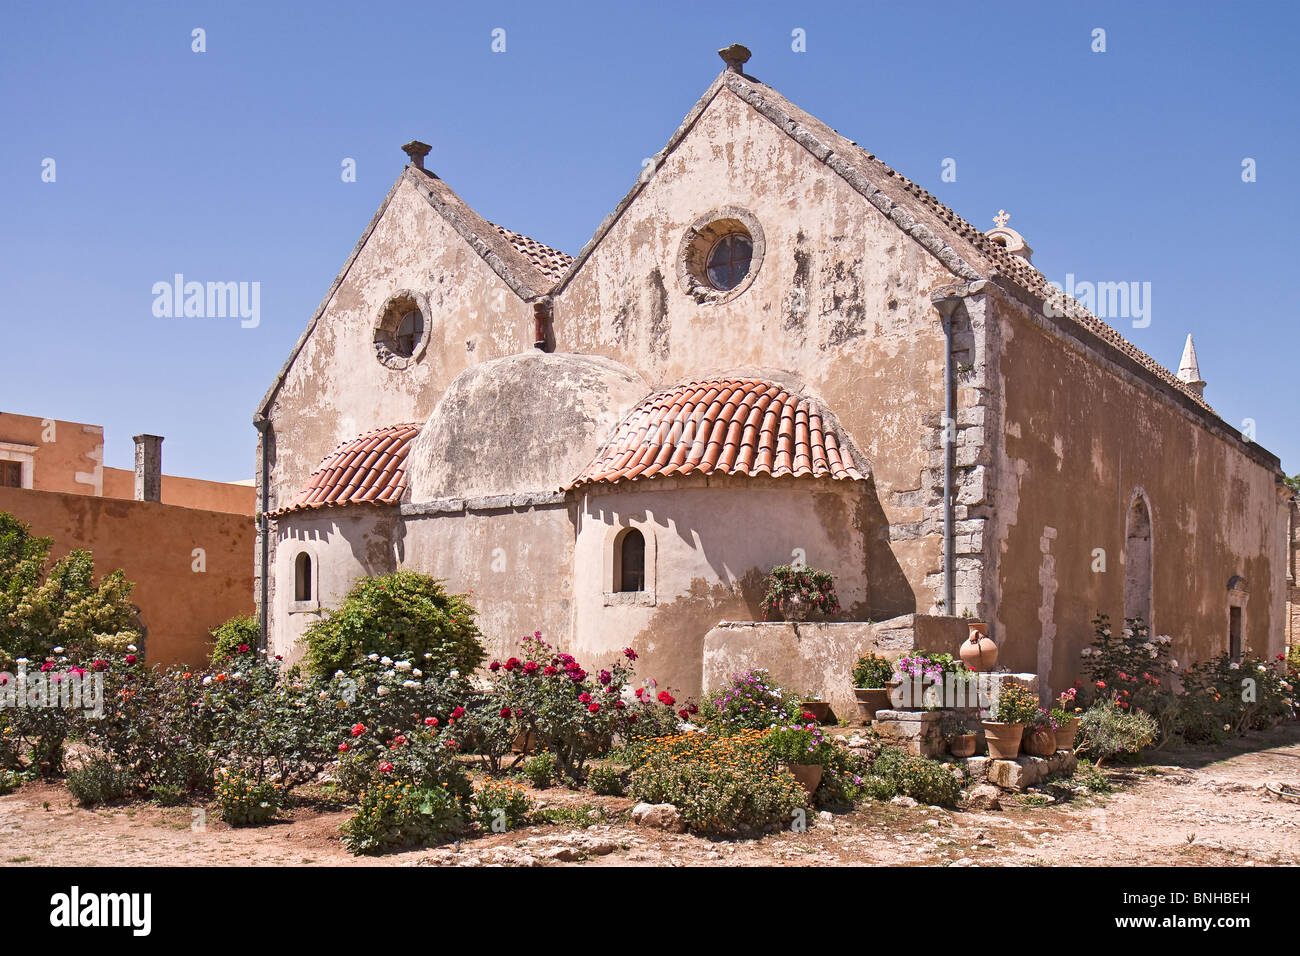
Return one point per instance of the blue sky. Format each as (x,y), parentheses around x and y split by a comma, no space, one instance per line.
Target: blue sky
(225,165)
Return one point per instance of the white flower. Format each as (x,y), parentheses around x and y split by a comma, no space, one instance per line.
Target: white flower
(340,674)
(1262,669)
(402,666)
(410,684)
(386,661)
(416,672)
(452,674)
(131,648)
(372,657)
(58,650)
(1227,726)
(1233,666)
(383,691)
(1173,664)
(207,680)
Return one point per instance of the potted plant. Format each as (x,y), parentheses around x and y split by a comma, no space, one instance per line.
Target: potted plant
(1066,716)
(871,678)
(961,740)
(816,709)
(796,592)
(1005,725)
(928,680)
(1039,738)
(803,751)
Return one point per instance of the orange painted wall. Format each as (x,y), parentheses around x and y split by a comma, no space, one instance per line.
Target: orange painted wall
(187,492)
(60,451)
(154,545)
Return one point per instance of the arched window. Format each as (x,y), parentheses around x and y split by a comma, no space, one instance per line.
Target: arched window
(302,577)
(1137,561)
(631,561)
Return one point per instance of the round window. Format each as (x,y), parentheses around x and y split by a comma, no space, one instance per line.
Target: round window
(720,254)
(400,335)
(729,261)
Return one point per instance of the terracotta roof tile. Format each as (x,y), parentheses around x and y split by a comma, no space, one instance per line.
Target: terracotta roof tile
(551,263)
(367,469)
(725,426)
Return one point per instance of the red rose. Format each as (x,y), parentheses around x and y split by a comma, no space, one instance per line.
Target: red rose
(385,767)
(431,721)
(683,713)
(629,653)
(594,708)
(585,698)
(343,748)
(243,648)
(458,712)
(666,698)
(619,705)
(358,730)
(494,666)
(505,711)
(130,658)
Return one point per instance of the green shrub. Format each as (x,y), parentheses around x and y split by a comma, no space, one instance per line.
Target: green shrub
(167,794)
(235,636)
(895,772)
(501,805)
(540,769)
(246,802)
(606,780)
(722,785)
(10,780)
(99,780)
(815,587)
(394,615)
(396,813)
(1106,730)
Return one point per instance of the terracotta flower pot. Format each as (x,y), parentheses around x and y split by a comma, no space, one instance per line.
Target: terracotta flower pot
(978,652)
(820,709)
(809,775)
(1040,742)
(870,700)
(1003,739)
(962,745)
(1065,734)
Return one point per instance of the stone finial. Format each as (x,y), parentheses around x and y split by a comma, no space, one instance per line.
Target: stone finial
(1001,219)
(148,467)
(1189,370)
(735,56)
(1008,238)
(417,151)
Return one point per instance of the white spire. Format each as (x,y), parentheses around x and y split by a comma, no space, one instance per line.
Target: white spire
(1189,370)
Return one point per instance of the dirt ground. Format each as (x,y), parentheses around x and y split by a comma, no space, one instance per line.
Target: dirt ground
(1181,808)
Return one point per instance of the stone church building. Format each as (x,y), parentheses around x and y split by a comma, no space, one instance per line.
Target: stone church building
(774,348)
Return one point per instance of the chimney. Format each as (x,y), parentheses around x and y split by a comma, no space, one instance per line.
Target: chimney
(148,467)
(735,56)
(417,151)
(1189,370)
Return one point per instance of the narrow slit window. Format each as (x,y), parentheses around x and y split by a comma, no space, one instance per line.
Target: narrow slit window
(632,561)
(302,577)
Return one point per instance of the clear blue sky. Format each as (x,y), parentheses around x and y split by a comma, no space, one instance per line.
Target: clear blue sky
(225,165)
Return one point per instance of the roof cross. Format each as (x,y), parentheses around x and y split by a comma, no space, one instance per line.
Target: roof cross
(1001,219)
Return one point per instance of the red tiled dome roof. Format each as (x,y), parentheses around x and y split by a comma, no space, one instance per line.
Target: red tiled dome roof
(367,469)
(725,426)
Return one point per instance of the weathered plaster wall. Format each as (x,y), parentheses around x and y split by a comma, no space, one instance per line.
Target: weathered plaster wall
(187,492)
(154,544)
(840,302)
(344,544)
(709,544)
(516,563)
(1077,439)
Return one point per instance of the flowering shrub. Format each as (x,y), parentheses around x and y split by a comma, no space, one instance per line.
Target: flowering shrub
(229,638)
(927,666)
(895,772)
(722,784)
(872,671)
(799,744)
(815,587)
(1106,730)
(750,702)
(501,805)
(540,769)
(397,813)
(247,802)
(1065,709)
(1223,697)
(394,615)
(568,711)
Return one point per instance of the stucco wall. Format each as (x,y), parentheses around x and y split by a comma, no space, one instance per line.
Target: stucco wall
(187,492)
(344,544)
(839,302)
(154,545)
(1077,439)
(66,456)
(709,545)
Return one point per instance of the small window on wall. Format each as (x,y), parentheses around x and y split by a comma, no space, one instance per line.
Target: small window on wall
(1234,633)
(631,562)
(11,474)
(302,577)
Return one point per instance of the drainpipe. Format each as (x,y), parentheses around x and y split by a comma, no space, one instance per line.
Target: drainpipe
(946,301)
(263,426)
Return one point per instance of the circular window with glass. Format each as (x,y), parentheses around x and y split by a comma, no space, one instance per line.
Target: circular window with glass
(400,335)
(720,255)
